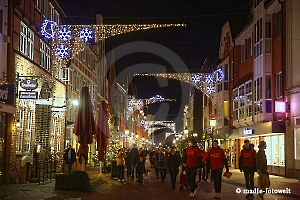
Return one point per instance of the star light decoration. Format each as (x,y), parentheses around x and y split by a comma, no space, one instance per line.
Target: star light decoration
(206,82)
(77,37)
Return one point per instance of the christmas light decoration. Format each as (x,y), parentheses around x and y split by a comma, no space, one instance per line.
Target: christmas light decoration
(210,89)
(64,34)
(206,82)
(62,51)
(196,79)
(82,35)
(86,34)
(48,29)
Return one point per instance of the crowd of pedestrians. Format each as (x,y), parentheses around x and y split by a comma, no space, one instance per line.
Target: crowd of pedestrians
(194,164)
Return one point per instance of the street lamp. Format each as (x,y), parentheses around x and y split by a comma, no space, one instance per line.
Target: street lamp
(212,124)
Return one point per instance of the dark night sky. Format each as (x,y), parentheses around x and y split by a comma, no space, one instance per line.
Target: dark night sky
(191,45)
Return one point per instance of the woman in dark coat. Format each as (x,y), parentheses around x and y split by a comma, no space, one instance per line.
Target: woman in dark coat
(173,165)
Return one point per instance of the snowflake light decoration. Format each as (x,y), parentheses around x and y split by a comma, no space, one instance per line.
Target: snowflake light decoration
(209,79)
(130,108)
(131,102)
(140,102)
(64,34)
(142,121)
(219,75)
(62,51)
(86,34)
(47,29)
(196,79)
(210,89)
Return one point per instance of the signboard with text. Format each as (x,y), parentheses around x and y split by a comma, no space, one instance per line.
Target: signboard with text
(248,131)
(280,106)
(28,95)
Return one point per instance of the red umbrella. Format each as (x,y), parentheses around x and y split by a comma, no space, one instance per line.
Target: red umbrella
(84,126)
(102,131)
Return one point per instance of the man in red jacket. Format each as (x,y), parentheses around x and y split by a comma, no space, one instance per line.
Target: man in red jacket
(216,160)
(193,162)
(247,164)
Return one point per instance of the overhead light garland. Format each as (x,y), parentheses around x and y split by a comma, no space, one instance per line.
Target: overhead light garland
(206,82)
(76,37)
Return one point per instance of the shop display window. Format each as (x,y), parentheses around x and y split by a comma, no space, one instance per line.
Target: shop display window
(275,150)
(297,143)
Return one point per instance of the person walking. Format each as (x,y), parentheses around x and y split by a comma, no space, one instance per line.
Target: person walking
(173,166)
(140,170)
(216,160)
(163,166)
(247,164)
(133,158)
(261,165)
(203,168)
(121,156)
(70,157)
(193,162)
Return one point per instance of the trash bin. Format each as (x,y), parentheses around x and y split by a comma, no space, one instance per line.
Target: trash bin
(114,170)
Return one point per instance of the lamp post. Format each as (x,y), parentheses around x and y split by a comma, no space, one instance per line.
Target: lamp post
(212,124)
(185,131)
(126,136)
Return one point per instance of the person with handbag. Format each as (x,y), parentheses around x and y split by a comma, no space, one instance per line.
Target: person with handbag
(247,164)
(262,168)
(192,160)
(216,160)
(121,156)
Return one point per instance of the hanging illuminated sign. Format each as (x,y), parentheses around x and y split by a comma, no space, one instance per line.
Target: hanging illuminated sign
(280,106)
(28,95)
(248,131)
(29,84)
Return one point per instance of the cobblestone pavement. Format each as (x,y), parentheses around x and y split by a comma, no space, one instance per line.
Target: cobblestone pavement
(106,188)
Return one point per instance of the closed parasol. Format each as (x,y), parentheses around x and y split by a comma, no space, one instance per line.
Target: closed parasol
(102,131)
(84,126)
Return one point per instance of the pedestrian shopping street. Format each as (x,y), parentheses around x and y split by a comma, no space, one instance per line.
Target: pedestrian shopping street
(106,189)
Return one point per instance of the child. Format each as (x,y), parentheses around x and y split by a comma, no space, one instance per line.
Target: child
(140,170)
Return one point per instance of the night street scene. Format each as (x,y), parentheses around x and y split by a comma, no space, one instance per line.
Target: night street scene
(149,99)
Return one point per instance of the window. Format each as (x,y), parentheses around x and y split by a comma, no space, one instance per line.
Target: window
(26,41)
(278,28)
(38,4)
(45,57)
(235,104)
(52,12)
(258,38)
(258,96)
(56,17)
(268,87)
(279,85)
(249,48)
(297,140)
(46,8)
(256,3)
(74,81)
(268,28)
(248,99)
(242,53)
(20,129)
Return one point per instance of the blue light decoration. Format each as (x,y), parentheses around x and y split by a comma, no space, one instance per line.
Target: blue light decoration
(64,34)
(209,79)
(210,89)
(142,121)
(62,51)
(48,29)
(196,79)
(219,75)
(86,34)
(130,108)
(131,102)
(140,102)
(157,97)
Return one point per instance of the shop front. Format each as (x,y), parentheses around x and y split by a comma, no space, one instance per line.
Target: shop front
(270,133)
(39,117)
(7,110)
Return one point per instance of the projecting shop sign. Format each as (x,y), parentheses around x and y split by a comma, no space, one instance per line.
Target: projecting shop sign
(29,84)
